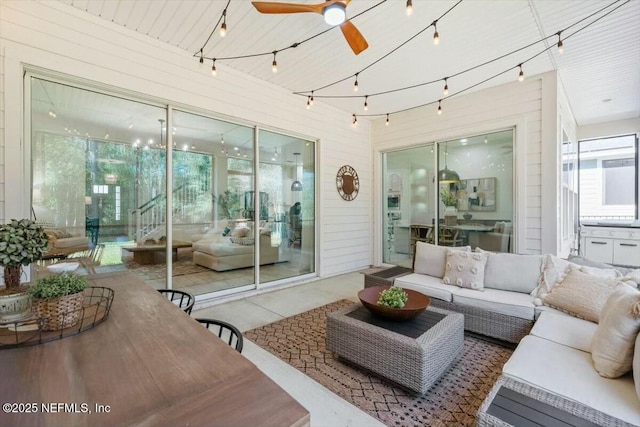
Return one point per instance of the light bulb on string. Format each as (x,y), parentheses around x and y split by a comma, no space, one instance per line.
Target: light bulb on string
(560,44)
(308,102)
(440,107)
(311,99)
(355,85)
(354,123)
(214,70)
(201,57)
(521,74)
(366,105)
(223,27)
(387,122)
(446,87)
(409,8)
(274,64)
(436,36)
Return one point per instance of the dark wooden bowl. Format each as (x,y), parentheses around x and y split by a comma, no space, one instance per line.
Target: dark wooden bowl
(415,305)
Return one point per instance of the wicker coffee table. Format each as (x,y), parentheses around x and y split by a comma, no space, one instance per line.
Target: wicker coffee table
(412,354)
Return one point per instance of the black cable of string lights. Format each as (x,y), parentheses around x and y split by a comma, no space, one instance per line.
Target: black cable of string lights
(309,92)
(305,93)
(272,52)
(508,69)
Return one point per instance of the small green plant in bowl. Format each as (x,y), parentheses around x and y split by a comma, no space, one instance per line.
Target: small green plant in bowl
(394,297)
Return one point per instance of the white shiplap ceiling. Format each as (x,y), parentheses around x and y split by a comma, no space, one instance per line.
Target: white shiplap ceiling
(600,67)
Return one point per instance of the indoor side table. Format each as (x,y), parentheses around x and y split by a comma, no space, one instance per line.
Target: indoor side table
(412,353)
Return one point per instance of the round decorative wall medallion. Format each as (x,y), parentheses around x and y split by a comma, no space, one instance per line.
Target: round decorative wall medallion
(347,183)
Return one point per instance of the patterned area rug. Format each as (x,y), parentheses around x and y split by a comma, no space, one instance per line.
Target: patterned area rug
(452,401)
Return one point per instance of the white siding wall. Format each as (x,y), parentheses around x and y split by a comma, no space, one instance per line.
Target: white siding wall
(530,107)
(56,37)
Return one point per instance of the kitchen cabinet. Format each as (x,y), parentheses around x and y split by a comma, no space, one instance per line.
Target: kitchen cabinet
(613,245)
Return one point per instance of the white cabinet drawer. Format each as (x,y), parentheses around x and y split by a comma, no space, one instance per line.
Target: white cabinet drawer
(599,249)
(626,252)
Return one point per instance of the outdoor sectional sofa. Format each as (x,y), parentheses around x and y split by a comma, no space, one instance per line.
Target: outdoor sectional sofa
(552,362)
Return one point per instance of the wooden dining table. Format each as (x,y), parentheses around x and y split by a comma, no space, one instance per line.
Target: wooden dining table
(148,364)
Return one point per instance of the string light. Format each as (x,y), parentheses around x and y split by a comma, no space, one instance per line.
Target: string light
(354,123)
(308,102)
(366,105)
(409,8)
(521,75)
(311,99)
(201,57)
(440,107)
(355,85)
(436,36)
(223,27)
(214,71)
(274,64)
(560,44)
(387,122)
(446,87)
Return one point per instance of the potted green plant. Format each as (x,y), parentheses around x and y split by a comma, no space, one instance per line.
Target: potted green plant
(22,242)
(449,200)
(58,300)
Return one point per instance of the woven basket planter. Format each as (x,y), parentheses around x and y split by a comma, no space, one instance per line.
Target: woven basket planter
(59,313)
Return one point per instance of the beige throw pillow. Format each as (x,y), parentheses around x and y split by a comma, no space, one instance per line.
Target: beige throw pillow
(580,294)
(613,342)
(465,269)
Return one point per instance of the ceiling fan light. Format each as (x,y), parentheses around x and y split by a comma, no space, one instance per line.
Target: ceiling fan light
(335,14)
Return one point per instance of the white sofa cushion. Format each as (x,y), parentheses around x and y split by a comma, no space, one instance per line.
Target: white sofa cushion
(428,285)
(539,309)
(614,339)
(465,269)
(565,329)
(512,272)
(568,372)
(430,259)
(221,249)
(504,302)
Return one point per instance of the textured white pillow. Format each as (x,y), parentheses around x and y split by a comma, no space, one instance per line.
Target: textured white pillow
(465,269)
(580,294)
(554,269)
(245,241)
(613,342)
(430,259)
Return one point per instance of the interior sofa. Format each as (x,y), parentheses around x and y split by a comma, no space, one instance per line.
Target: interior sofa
(63,243)
(552,309)
(233,247)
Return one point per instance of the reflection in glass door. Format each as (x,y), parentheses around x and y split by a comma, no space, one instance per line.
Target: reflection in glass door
(98,179)
(470,193)
(287,206)
(408,208)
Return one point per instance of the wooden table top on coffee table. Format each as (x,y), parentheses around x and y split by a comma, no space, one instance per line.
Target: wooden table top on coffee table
(148,364)
(151,253)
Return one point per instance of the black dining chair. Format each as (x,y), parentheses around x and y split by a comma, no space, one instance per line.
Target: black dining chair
(225,331)
(182,299)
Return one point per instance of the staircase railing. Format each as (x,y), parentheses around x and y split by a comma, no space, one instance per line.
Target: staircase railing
(150,218)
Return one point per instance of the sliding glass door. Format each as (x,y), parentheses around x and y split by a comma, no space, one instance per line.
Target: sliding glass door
(99,186)
(465,198)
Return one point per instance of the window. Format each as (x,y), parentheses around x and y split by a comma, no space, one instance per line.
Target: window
(609,178)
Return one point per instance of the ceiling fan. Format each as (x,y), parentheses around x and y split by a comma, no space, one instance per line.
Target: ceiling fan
(334,12)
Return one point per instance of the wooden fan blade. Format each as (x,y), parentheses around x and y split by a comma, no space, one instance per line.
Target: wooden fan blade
(353,36)
(274,7)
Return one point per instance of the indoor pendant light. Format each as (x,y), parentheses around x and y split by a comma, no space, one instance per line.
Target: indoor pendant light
(446,175)
(296,185)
